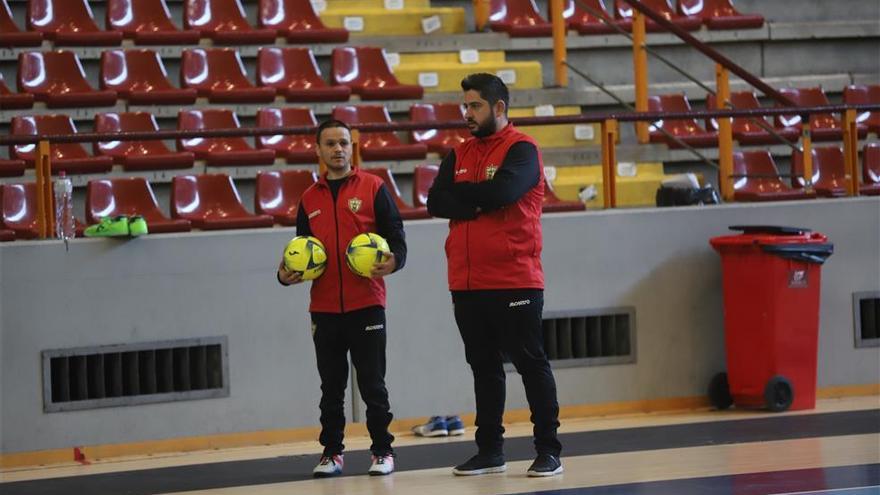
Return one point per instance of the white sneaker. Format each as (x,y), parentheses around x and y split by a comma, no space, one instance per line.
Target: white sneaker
(328,466)
(382,465)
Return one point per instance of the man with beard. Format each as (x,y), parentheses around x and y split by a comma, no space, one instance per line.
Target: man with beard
(491,188)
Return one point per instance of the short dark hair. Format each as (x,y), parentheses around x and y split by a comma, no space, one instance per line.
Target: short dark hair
(328,124)
(490,87)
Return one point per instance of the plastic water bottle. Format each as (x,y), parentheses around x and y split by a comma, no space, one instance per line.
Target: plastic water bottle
(65,228)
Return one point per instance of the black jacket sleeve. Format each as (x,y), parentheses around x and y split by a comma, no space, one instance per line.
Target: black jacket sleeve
(390,225)
(443,200)
(302,228)
(518,173)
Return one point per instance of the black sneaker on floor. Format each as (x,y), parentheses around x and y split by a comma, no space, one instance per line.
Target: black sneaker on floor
(545,465)
(481,464)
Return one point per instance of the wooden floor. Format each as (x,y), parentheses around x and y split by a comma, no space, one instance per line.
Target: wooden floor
(833,449)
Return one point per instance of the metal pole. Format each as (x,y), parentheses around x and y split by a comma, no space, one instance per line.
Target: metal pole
(640,68)
(481,14)
(725,134)
(609,163)
(807,147)
(851,152)
(559,50)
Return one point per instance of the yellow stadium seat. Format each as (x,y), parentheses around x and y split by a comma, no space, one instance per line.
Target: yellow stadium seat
(443,72)
(637,190)
(392,17)
(557,136)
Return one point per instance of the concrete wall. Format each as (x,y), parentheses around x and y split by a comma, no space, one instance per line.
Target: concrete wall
(209,284)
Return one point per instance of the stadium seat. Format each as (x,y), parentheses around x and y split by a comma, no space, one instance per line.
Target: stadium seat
(518,18)
(823,127)
(294,148)
(129,196)
(137,155)
(72,158)
(423,179)
(719,14)
(7,235)
(19,210)
(294,74)
(219,75)
(219,152)
(139,76)
(407,212)
(687,130)
(224,22)
(278,192)
(11,168)
(829,171)
(552,203)
(297,22)
(147,22)
(745,131)
(440,141)
(11,35)
(442,72)
(211,202)
(756,178)
(586,21)
(871,170)
(863,95)
(68,22)
(365,70)
(376,146)
(10,100)
(57,78)
(624,13)
(400,18)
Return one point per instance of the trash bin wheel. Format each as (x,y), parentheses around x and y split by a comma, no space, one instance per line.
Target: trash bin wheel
(778,394)
(719,392)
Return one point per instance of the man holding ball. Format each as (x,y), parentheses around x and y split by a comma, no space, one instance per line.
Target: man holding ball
(348,310)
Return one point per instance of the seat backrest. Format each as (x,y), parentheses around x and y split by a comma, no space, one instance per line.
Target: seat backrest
(515,12)
(7,24)
(212,68)
(623,10)
(121,196)
(808,97)
(45,125)
(19,208)
(50,16)
(127,122)
(438,112)
(288,67)
(286,117)
(388,179)
(133,70)
(707,8)
(193,196)
(289,14)
(759,165)
(829,170)
(741,100)
(362,66)
(674,103)
(209,118)
(423,179)
(861,95)
(573,11)
(279,191)
(55,72)
(368,114)
(215,15)
(131,16)
(871,163)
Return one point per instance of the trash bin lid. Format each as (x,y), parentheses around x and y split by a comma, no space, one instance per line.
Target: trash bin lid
(769,229)
(764,235)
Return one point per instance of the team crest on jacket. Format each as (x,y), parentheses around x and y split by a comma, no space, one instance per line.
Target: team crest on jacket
(490,171)
(354,204)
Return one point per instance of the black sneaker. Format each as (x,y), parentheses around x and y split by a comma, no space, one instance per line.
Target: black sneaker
(481,464)
(545,465)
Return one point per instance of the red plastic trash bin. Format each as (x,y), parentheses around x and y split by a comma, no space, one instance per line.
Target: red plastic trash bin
(770,277)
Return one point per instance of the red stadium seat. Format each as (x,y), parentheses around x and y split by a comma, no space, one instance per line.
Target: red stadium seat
(407,212)
(423,179)
(9,100)
(11,35)
(440,141)
(297,21)
(378,145)
(147,22)
(72,158)
(7,235)
(129,196)
(552,203)
(586,21)
(365,70)
(719,14)
(211,202)
(518,18)
(829,171)
(871,170)
(57,78)
(219,75)
(137,155)
(220,152)
(278,192)
(68,22)
(294,148)
(294,73)
(139,76)
(745,131)
(225,22)
(19,210)
(756,178)
(11,168)
(624,13)
(823,127)
(687,130)
(863,95)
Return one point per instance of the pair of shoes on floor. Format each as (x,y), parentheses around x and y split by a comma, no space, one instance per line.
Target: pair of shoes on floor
(331,465)
(118,226)
(440,426)
(544,465)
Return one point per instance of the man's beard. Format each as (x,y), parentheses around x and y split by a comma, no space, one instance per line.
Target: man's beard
(485,129)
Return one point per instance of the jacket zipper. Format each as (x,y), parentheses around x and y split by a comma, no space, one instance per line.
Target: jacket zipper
(338,258)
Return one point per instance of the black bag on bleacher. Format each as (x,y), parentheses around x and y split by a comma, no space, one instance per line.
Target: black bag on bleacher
(684,196)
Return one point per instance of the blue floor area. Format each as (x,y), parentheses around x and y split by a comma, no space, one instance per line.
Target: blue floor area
(844,480)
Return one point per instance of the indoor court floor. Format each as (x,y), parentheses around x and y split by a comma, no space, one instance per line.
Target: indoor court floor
(832,450)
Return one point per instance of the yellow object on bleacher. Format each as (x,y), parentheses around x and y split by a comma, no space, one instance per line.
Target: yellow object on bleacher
(391,17)
(637,187)
(443,72)
(557,136)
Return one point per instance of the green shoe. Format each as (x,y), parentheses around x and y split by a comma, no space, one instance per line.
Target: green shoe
(137,225)
(109,227)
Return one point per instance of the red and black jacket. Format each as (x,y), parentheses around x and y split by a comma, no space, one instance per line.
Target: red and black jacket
(361,204)
(492,190)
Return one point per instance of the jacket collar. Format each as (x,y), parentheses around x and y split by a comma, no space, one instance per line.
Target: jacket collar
(498,135)
(322,180)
